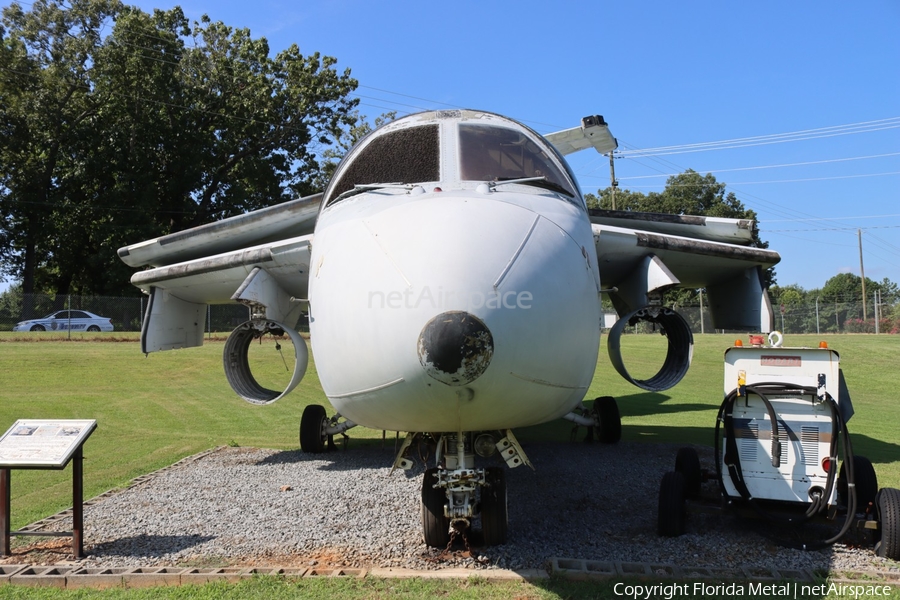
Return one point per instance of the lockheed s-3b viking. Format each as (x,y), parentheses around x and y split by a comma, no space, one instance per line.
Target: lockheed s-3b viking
(452,275)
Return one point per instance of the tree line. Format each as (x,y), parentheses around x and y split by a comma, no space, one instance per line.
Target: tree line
(117,126)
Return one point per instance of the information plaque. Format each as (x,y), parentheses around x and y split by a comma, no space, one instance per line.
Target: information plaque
(43,443)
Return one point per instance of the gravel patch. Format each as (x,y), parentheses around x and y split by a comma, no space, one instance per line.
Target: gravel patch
(242,506)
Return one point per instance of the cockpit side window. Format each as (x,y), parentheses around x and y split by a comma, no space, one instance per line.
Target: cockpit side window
(410,155)
(489,153)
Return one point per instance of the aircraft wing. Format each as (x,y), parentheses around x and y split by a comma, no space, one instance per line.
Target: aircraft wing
(279,222)
(713,229)
(272,276)
(637,262)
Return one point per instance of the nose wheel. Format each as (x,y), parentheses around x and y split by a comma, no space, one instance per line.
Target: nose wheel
(449,498)
(435,526)
(494,513)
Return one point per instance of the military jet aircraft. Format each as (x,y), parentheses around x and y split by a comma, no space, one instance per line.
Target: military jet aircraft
(452,276)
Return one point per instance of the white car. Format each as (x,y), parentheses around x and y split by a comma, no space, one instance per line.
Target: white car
(65,320)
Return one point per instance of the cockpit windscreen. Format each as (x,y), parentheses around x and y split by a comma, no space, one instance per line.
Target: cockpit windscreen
(490,153)
(409,155)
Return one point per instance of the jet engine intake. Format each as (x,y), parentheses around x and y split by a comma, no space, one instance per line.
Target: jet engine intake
(678,355)
(237,364)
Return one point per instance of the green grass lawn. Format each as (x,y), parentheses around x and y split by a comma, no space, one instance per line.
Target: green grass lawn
(369,588)
(152,411)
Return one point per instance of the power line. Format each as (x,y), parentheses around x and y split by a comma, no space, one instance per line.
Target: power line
(798,164)
(834,218)
(833,229)
(784,180)
(778,138)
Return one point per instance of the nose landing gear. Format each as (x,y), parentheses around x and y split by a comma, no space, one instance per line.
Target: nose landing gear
(456,492)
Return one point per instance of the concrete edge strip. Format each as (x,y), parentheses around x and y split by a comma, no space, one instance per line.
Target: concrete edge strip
(73,577)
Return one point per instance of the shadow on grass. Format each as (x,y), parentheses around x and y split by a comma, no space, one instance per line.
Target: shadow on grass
(651,403)
(380,453)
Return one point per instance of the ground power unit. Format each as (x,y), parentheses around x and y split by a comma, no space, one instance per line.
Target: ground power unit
(783,453)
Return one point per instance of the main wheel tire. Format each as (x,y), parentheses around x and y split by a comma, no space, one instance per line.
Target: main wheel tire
(688,464)
(671,512)
(609,431)
(888,503)
(312,425)
(866,483)
(38,328)
(494,507)
(435,526)
(93,329)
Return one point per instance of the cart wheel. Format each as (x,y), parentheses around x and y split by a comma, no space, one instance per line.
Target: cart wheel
(607,411)
(866,483)
(688,464)
(888,503)
(671,511)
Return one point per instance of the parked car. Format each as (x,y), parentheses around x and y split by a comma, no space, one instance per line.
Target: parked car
(64,320)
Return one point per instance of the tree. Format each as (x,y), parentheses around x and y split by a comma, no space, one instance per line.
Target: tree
(331,157)
(843,292)
(791,309)
(110,140)
(45,100)
(688,193)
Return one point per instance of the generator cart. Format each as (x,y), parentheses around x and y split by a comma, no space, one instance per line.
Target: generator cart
(783,452)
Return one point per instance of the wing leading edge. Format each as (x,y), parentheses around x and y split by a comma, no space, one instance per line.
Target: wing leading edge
(274,223)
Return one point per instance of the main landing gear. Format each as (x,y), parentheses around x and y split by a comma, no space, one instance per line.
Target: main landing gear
(317,431)
(602,420)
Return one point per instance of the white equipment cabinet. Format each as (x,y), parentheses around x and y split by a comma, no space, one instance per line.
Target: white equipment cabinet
(783,453)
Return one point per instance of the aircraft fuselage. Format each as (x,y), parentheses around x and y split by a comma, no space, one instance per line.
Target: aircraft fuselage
(384,265)
(456,304)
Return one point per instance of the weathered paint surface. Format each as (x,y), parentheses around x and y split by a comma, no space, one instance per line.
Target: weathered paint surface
(455,348)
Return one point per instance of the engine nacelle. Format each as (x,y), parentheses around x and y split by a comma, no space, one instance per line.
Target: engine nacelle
(678,356)
(237,367)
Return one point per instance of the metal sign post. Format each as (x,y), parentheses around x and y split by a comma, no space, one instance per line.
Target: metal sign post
(44,444)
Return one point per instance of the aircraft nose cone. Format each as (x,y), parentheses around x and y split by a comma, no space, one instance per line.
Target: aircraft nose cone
(455,347)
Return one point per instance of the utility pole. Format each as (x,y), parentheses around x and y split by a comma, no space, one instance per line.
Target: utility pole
(817,315)
(862,273)
(612,179)
(702,330)
(877,307)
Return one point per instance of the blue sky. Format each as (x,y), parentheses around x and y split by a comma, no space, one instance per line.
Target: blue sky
(662,74)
